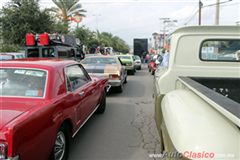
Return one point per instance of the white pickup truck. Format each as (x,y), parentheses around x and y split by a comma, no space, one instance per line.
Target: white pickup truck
(197,97)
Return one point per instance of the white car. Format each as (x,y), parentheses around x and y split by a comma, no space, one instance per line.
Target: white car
(16,55)
(138,63)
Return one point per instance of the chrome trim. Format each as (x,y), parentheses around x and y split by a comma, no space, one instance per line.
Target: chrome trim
(85,121)
(108,87)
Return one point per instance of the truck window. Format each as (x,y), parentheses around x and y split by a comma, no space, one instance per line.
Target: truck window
(48,52)
(34,52)
(220,50)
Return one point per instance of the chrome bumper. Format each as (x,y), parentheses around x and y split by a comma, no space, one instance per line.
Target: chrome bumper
(114,83)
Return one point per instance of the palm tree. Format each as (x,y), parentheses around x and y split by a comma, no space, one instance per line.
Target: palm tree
(67,9)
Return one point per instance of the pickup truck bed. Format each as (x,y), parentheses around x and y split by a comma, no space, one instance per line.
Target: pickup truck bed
(225,92)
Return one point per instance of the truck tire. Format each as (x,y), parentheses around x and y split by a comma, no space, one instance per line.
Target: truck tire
(61,145)
(102,105)
(132,72)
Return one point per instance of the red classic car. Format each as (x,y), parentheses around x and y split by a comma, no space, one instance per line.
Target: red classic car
(43,104)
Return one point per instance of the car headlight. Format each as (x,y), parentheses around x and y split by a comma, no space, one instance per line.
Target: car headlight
(3,150)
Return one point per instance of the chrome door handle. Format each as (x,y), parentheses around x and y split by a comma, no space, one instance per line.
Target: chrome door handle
(81,93)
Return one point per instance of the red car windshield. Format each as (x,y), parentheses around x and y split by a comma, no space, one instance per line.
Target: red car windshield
(20,82)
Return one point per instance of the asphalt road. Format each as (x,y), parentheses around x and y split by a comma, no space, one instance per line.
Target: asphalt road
(126,131)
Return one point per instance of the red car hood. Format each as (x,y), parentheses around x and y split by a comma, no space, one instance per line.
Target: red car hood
(9,110)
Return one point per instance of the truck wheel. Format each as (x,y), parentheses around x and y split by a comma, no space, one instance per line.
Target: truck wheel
(132,72)
(102,105)
(140,68)
(61,145)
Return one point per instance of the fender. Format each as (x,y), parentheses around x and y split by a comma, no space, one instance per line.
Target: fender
(195,126)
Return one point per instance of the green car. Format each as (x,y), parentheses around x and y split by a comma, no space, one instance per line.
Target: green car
(129,63)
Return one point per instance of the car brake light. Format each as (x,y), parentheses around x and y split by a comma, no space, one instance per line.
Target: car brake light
(30,39)
(3,150)
(44,39)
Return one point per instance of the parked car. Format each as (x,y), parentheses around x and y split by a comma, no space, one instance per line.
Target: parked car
(197,103)
(153,63)
(137,61)
(4,57)
(43,104)
(16,55)
(108,66)
(129,63)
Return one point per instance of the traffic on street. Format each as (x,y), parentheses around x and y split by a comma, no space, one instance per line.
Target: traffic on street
(127,129)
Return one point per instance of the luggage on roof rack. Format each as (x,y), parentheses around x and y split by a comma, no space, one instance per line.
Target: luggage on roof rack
(53,46)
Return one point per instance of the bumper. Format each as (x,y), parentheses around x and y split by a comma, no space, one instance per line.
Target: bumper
(137,65)
(114,83)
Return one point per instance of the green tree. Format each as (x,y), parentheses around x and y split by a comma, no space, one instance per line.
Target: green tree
(66,9)
(86,36)
(22,16)
(103,39)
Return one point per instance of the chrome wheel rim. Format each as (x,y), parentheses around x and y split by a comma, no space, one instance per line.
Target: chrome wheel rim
(60,145)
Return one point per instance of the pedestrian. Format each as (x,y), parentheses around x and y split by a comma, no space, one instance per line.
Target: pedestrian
(147,58)
(165,60)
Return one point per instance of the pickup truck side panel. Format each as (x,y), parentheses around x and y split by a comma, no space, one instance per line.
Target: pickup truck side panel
(190,121)
(180,109)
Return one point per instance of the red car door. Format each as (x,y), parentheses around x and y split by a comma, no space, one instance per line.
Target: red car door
(79,86)
(93,89)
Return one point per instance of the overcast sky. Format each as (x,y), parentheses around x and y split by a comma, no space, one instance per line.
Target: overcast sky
(130,19)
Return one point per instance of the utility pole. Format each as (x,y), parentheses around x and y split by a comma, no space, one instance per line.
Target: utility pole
(167,22)
(200,13)
(217,13)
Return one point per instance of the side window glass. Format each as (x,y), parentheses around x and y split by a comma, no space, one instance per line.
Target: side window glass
(75,77)
(33,52)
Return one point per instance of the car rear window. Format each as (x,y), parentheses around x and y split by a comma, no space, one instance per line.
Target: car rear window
(20,82)
(220,50)
(124,57)
(99,60)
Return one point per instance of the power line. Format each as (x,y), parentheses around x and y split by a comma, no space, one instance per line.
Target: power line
(211,5)
(193,15)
